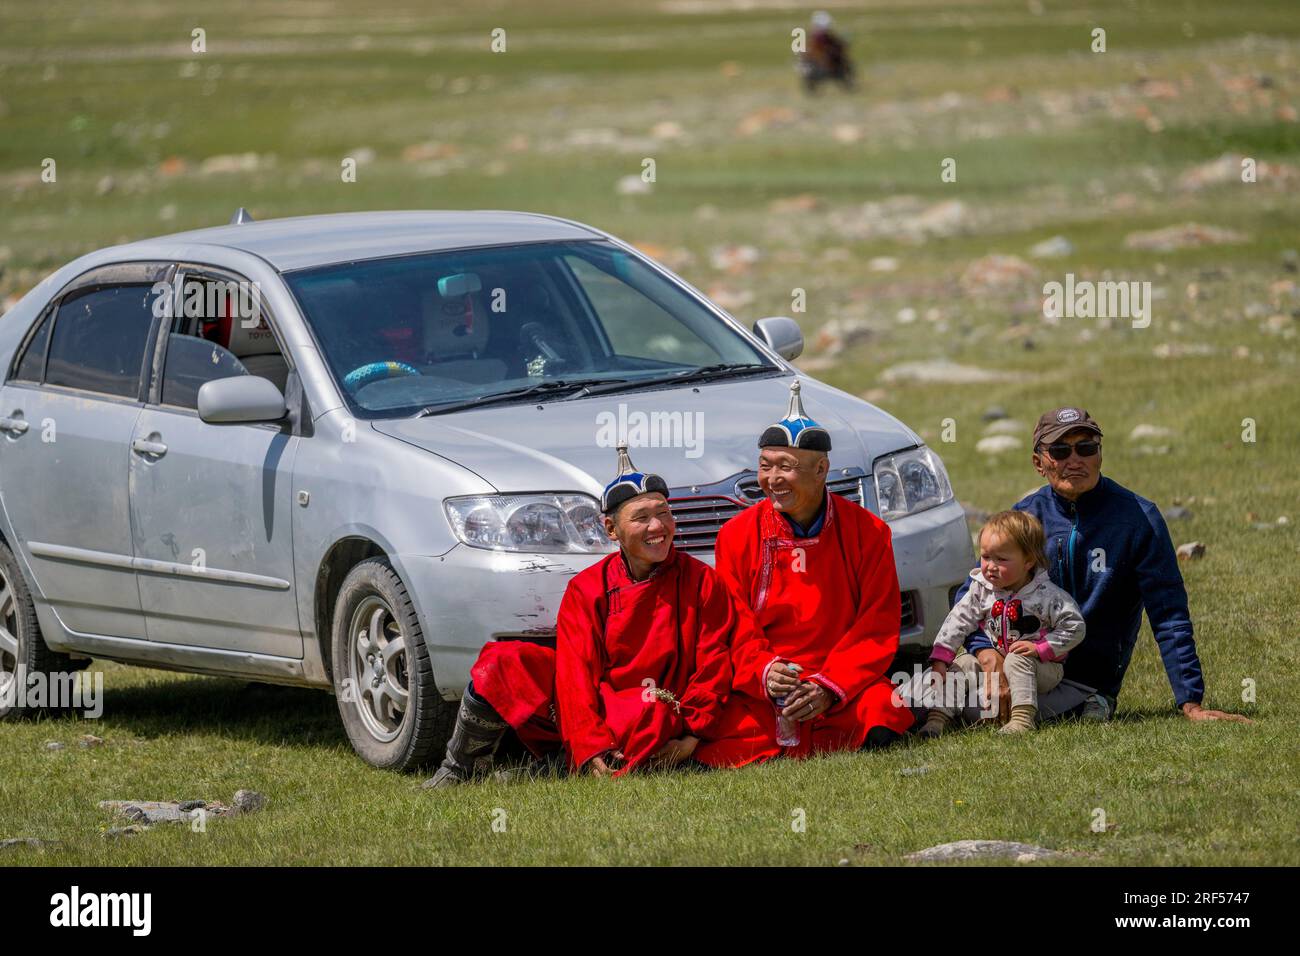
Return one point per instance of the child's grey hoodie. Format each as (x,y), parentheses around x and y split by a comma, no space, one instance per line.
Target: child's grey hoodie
(1039,612)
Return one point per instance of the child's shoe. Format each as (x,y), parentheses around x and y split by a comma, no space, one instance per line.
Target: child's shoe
(936,723)
(1023,717)
(1097,708)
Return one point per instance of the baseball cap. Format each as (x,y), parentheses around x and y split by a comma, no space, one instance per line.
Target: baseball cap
(1052,425)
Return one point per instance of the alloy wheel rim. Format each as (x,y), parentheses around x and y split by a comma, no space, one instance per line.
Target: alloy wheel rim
(378,669)
(8,638)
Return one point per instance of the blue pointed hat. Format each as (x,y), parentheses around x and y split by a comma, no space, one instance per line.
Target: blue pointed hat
(629,483)
(796,430)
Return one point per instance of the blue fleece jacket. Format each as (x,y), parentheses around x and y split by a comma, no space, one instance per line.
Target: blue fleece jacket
(1112,552)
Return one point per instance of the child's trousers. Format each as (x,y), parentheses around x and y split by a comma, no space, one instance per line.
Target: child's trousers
(1026,676)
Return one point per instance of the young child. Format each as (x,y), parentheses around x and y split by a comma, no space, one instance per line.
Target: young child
(1028,620)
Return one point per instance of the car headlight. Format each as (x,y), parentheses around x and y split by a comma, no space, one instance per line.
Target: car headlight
(537,523)
(910,481)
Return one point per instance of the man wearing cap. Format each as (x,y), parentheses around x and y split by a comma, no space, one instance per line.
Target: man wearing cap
(642,660)
(817,573)
(1110,549)
(641,665)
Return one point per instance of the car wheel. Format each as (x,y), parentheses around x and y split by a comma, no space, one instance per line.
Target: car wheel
(22,648)
(393,714)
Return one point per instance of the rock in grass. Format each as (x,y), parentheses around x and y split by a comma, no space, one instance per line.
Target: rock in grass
(248,801)
(1146,431)
(90,740)
(839,334)
(938,372)
(1006,426)
(1190,551)
(1053,248)
(913,771)
(997,444)
(147,812)
(984,850)
(995,272)
(53,745)
(13,843)
(1188,235)
(118,832)
(1176,513)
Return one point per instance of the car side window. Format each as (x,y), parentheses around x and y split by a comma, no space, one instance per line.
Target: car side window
(31,367)
(100,338)
(191,362)
(224,312)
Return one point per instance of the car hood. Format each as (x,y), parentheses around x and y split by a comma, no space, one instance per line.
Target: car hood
(691,435)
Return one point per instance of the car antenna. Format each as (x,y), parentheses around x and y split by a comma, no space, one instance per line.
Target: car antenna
(240,217)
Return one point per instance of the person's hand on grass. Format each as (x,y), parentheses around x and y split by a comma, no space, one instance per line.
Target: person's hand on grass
(604,765)
(1194,711)
(782,680)
(676,751)
(809,701)
(1028,648)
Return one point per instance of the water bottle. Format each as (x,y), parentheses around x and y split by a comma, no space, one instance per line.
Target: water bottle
(787,730)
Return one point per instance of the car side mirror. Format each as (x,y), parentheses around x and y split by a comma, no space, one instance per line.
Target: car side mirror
(782,335)
(243,398)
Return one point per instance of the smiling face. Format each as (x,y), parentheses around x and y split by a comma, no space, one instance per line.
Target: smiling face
(643,527)
(794,480)
(1075,475)
(1002,562)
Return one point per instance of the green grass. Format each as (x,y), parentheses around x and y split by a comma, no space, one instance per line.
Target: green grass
(107,94)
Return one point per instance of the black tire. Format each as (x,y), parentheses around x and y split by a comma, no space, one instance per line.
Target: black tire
(367,672)
(18,620)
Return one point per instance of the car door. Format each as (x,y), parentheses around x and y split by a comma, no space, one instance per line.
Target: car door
(67,413)
(211,503)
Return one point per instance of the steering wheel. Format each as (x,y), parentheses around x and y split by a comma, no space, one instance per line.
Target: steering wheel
(375,371)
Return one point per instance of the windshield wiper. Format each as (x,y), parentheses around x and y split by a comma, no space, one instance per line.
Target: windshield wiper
(551,388)
(721,370)
(708,373)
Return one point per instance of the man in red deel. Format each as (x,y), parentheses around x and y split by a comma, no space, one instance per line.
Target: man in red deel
(641,665)
(642,657)
(817,573)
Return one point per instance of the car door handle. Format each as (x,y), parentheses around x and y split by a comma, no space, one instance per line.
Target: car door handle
(152,449)
(14,426)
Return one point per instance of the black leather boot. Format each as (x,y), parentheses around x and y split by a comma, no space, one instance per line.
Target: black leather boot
(474,741)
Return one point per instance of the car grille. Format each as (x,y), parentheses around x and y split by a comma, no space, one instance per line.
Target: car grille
(698,521)
(910,601)
(701,512)
(700,516)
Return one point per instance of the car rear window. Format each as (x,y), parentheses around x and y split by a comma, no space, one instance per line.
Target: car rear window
(31,367)
(100,338)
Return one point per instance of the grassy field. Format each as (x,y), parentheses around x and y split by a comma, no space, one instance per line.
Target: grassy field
(840,196)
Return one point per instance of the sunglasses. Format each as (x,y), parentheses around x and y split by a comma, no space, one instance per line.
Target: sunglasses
(1061,450)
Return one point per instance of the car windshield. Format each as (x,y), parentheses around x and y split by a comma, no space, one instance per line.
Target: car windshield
(431,333)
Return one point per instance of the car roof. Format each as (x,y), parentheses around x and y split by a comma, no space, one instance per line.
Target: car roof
(303,242)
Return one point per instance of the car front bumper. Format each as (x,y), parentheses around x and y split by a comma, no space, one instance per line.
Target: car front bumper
(470,596)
